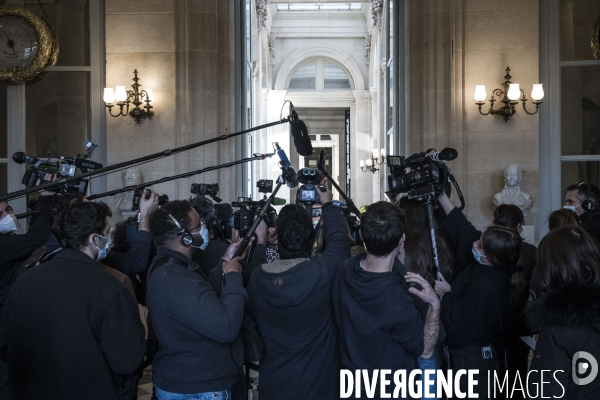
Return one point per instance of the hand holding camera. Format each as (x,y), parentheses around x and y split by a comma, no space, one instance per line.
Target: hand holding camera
(324,192)
(427,294)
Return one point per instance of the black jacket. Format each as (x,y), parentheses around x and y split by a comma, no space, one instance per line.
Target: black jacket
(15,249)
(69,327)
(135,260)
(380,327)
(472,311)
(568,319)
(200,348)
(590,221)
(291,303)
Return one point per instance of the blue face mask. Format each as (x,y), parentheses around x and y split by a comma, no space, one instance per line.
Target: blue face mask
(102,253)
(477,254)
(572,208)
(204,235)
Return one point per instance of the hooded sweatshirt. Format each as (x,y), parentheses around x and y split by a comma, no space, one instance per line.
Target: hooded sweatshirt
(380,327)
(290,301)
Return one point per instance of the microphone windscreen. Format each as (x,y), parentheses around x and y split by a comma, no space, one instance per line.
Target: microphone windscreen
(278,201)
(301,139)
(18,157)
(448,154)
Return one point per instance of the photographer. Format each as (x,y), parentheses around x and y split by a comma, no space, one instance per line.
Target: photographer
(584,199)
(200,349)
(290,300)
(380,326)
(72,315)
(472,307)
(212,249)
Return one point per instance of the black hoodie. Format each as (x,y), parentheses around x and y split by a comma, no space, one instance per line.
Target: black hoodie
(290,301)
(379,325)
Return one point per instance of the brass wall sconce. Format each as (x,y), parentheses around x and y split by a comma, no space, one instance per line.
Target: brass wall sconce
(134,96)
(510,96)
(377,158)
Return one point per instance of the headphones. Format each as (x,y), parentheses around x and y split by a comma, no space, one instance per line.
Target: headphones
(586,204)
(186,236)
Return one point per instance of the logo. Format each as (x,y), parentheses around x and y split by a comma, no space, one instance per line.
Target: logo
(580,368)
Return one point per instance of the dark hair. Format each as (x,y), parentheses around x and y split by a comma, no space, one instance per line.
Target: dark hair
(509,216)
(502,247)
(163,228)
(206,210)
(418,251)
(563,217)
(381,228)
(295,235)
(587,191)
(566,256)
(79,221)
(119,235)
(59,204)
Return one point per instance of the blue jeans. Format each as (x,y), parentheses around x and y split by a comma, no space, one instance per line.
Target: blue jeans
(222,395)
(432,363)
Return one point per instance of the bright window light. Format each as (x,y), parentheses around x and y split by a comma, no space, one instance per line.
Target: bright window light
(319,7)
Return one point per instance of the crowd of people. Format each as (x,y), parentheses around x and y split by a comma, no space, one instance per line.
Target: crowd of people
(304,301)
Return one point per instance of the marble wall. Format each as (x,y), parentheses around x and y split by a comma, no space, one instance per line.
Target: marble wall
(454,46)
(183,50)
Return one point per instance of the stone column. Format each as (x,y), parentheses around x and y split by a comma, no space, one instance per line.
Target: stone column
(363,187)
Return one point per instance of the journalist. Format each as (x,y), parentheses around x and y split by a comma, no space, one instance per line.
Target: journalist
(212,249)
(70,330)
(380,327)
(200,351)
(472,307)
(290,300)
(584,199)
(567,316)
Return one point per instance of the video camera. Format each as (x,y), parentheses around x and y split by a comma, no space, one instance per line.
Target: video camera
(204,189)
(64,167)
(310,177)
(137,196)
(265,186)
(248,209)
(420,175)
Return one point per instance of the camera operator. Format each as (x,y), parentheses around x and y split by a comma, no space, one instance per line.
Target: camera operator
(472,307)
(74,317)
(200,349)
(380,326)
(290,300)
(584,199)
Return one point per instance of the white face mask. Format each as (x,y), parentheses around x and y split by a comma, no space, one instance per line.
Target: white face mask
(8,224)
(573,208)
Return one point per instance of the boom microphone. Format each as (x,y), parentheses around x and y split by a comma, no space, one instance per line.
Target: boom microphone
(447,154)
(300,134)
(83,163)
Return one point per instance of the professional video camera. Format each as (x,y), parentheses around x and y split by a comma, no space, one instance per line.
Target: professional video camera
(248,209)
(204,189)
(265,186)
(420,175)
(310,177)
(137,196)
(64,167)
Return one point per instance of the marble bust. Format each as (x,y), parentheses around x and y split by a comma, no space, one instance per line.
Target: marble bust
(512,194)
(130,177)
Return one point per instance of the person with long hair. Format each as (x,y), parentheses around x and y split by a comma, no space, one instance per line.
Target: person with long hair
(417,257)
(472,307)
(567,315)
(513,353)
(557,219)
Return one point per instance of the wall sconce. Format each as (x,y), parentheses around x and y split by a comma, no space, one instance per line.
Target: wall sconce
(134,96)
(369,164)
(510,96)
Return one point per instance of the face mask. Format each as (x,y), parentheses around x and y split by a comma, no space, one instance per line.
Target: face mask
(572,208)
(103,252)
(204,235)
(477,254)
(315,224)
(8,224)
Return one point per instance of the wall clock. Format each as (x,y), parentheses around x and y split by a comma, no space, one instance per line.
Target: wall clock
(27,45)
